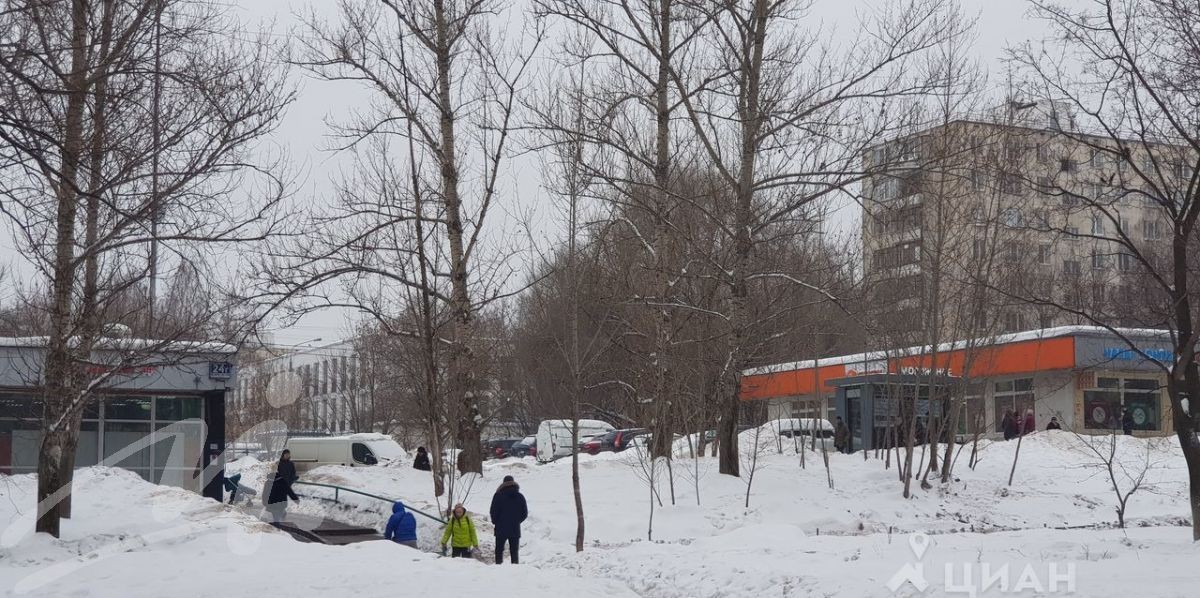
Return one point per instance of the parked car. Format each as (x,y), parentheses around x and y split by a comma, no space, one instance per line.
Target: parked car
(592,445)
(527,447)
(554,436)
(618,440)
(804,429)
(498,448)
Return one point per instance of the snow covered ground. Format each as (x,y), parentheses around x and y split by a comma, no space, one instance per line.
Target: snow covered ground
(1051,531)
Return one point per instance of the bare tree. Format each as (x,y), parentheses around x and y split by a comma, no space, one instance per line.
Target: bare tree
(92,190)
(446,82)
(1125,71)
(764,103)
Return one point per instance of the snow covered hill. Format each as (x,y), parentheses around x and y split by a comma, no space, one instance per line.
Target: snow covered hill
(798,537)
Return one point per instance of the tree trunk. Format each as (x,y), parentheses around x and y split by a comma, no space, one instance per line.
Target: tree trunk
(460,366)
(59,436)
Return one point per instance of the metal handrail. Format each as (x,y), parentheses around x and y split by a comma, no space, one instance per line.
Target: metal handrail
(338,489)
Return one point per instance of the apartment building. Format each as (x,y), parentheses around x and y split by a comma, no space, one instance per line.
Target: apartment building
(965,220)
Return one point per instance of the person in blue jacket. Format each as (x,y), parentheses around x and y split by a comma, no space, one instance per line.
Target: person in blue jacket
(401,526)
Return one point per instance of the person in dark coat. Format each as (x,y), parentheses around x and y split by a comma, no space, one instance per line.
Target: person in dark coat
(281,487)
(1054,425)
(1030,424)
(401,526)
(1009,425)
(1127,422)
(508,512)
(841,434)
(421,461)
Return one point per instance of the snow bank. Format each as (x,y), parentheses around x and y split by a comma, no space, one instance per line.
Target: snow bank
(798,536)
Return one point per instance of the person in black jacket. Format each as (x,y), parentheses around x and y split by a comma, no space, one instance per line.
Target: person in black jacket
(281,487)
(1127,422)
(508,512)
(421,461)
(1009,426)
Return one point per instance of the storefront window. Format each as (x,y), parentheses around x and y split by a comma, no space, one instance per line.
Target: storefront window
(119,436)
(136,408)
(1011,395)
(1103,405)
(177,408)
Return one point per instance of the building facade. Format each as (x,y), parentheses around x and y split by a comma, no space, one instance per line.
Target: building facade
(313,389)
(160,414)
(1084,376)
(960,218)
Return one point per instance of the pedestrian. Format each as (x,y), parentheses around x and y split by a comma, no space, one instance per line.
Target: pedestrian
(401,526)
(1009,425)
(1030,425)
(281,487)
(1053,425)
(421,462)
(460,533)
(840,435)
(508,512)
(1127,422)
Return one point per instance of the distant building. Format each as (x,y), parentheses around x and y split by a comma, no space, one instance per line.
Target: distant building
(312,389)
(1009,198)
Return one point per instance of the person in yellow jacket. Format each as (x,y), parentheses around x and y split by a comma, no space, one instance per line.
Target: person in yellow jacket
(460,533)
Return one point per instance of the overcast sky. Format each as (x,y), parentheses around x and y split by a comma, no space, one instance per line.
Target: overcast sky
(302,134)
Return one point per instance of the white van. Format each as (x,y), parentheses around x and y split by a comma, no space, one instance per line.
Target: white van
(554,436)
(355,450)
(804,429)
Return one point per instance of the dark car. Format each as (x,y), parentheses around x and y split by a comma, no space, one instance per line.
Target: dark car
(618,440)
(527,447)
(498,448)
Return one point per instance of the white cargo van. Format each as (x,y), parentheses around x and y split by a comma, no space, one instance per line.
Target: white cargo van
(355,450)
(554,436)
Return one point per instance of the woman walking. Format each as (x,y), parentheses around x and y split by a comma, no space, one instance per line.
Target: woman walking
(281,487)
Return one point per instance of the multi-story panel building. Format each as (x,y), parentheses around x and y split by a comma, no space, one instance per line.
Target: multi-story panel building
(310,389)
(964,222)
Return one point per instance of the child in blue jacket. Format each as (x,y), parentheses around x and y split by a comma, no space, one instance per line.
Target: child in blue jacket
(401,526)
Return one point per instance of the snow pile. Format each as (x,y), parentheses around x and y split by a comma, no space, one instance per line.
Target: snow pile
(797,537)
(129,538)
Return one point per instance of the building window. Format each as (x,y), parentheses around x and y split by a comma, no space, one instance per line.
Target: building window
(1072,232)
(1097,224)
(978,249)
(1044,255)
(1012,217)
(1152,229)
(1099,261)
(1103,404)
(1070,267)
(1010,184)
(1125,261)
(1012,396)
(1066,165)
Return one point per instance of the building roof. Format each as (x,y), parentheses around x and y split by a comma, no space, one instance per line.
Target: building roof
(1000,339)
(128,344)
(1049,349)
